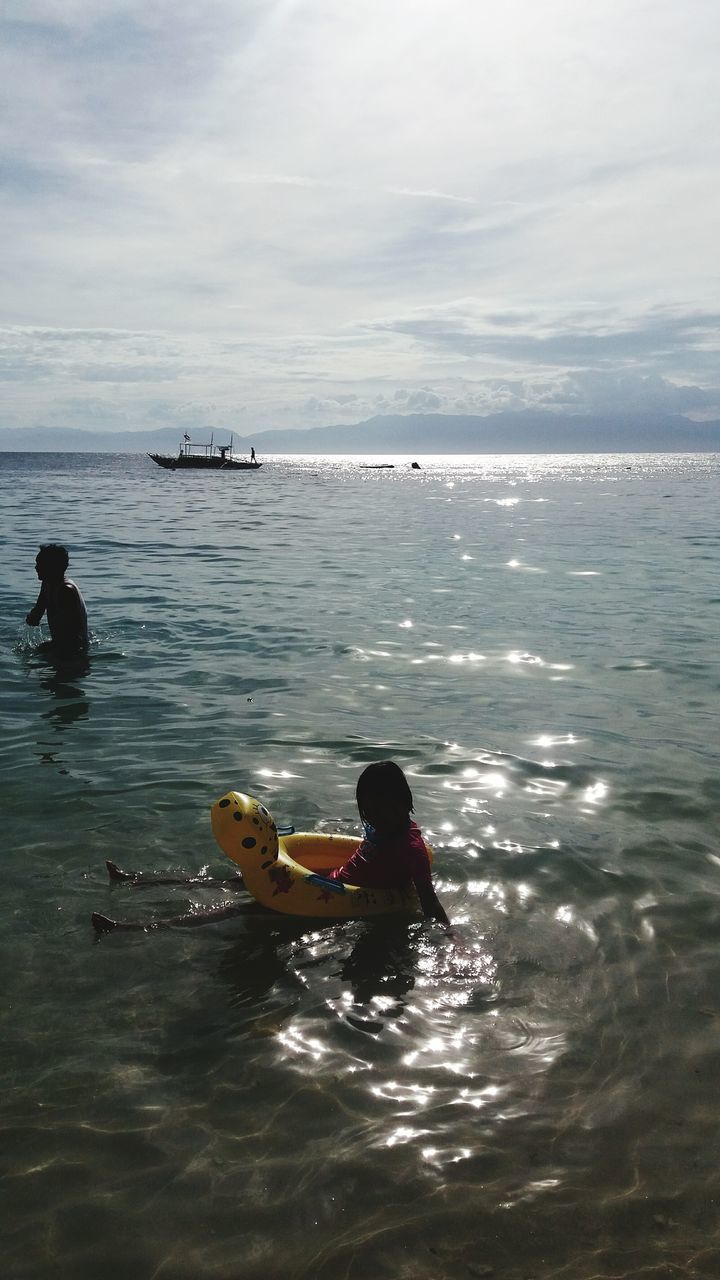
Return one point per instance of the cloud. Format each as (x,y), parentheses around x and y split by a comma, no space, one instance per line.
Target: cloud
(659,338)
(457,358)
(286,205)
(583,392)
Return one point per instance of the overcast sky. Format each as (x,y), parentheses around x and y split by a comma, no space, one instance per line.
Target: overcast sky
(259,213)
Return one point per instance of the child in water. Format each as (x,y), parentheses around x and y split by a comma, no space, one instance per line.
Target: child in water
(391,855)
(393,852)
(61,599)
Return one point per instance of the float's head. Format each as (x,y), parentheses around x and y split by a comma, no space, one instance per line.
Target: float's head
(244,830)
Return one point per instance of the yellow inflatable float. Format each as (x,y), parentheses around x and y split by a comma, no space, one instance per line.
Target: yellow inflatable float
(284,873)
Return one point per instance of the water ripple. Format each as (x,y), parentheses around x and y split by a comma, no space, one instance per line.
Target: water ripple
(534,640)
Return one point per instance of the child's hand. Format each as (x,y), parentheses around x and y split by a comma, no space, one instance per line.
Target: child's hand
(461,942)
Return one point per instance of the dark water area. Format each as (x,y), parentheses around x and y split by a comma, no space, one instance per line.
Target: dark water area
(534,639)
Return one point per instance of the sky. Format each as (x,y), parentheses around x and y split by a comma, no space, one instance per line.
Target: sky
(294,213)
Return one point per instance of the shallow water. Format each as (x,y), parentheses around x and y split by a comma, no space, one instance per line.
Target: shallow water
(535,641)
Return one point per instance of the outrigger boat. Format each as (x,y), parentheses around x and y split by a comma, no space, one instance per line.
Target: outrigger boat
(205,457)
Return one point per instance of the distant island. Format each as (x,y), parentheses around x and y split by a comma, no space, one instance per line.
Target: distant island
(527,431)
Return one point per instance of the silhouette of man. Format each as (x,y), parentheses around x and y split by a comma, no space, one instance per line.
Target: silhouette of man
(61,600)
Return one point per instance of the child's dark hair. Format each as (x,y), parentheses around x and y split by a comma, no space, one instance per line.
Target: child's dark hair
(54,556)
(386,779)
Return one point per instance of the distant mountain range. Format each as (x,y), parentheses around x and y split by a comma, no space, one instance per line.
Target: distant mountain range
(529,431)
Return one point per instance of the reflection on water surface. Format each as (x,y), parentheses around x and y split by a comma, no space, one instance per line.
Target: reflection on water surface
(272,1097)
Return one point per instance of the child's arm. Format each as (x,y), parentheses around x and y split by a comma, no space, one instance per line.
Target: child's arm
(37,611)
(430,903)
(434,910)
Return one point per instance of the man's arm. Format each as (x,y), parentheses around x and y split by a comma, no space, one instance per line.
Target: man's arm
(37,611)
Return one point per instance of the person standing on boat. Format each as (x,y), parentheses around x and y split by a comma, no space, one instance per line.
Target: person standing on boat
(60,598)
(252,454)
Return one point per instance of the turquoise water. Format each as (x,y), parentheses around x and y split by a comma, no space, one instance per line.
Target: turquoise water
(535,641)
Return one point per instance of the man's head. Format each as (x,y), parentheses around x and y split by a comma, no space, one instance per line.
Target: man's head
(51,561)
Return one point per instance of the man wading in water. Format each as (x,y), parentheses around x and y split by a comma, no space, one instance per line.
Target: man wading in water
(63,603)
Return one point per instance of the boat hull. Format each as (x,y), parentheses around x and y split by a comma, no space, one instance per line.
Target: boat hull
(183,462)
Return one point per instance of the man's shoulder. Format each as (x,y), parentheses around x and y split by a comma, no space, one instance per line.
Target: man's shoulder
(70,597)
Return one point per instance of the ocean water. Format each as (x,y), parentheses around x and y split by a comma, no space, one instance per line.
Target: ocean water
(534,639)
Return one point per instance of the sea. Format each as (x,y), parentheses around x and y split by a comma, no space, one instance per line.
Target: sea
(534,639)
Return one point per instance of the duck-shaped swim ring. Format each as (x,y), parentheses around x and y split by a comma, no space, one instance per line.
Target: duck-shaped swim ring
(285,873)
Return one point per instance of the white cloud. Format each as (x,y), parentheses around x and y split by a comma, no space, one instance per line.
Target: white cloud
(278,204)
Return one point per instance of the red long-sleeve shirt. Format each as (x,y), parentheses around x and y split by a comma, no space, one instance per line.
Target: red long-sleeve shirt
(389,864)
